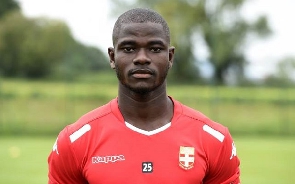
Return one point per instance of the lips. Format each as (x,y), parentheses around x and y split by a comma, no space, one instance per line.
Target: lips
(141,73)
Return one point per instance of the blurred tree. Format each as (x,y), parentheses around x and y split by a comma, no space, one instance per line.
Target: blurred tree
(93,58)
(286,68)
(30,47)
(8,5)
(12,36)
(33,48)
(284,76)
(81,59)
(218,22)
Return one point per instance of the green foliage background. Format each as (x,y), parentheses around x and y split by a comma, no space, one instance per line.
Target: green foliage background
(42,48)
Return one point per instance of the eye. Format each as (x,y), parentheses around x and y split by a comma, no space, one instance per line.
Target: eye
(156,49)
(128,49)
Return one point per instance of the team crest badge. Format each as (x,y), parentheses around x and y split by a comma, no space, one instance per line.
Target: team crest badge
(186,157)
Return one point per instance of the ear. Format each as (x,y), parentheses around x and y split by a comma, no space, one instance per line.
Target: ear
(171,56)
(111,52)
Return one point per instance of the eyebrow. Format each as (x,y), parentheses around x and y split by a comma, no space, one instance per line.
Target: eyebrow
(156,42)
(131,42)
(126,42)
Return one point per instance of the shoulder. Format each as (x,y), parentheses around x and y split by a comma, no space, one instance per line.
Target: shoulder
(83,126)
(201,121)
(89,118)
(211,135)
(75,135)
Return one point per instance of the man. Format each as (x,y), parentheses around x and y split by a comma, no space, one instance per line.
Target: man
(143,136)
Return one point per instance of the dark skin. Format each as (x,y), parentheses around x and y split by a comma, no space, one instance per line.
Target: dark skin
(142,57)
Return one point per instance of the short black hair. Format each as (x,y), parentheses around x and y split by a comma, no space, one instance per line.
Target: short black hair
(139,15)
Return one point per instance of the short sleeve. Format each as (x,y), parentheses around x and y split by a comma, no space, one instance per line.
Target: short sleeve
(63,167)
(224,168)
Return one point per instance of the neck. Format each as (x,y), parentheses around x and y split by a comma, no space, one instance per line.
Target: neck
(146,111)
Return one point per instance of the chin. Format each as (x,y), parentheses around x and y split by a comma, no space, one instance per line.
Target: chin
(141,90)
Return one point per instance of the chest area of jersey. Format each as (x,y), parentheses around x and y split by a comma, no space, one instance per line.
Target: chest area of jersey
(135,158)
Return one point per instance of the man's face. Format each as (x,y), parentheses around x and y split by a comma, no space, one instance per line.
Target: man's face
(141,56)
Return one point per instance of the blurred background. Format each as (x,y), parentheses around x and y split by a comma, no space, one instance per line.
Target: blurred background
(235,62)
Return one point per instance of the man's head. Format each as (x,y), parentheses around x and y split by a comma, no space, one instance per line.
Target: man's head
(139,15)
(142,54)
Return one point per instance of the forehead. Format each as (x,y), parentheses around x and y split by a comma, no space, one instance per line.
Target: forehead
(142,30)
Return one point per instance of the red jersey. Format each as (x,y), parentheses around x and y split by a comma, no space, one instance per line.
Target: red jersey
(101,148)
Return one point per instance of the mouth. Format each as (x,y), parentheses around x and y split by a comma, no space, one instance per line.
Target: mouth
(141,73)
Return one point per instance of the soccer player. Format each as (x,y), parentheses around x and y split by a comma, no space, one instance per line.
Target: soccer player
(143,136)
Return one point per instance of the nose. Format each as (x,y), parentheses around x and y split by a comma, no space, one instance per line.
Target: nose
(141,57)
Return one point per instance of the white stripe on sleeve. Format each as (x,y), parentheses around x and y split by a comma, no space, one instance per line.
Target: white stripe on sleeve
(76,135)
(214,133)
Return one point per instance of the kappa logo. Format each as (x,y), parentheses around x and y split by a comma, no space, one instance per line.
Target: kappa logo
(186,157)
(107,159)
(234,151)
(54,148)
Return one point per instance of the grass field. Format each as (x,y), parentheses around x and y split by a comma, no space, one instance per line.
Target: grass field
(264,160)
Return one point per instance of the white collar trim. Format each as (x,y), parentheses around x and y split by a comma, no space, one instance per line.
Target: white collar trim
(148,133)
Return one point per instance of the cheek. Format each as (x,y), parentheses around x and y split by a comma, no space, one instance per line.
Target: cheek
(120,71)
(122,61)
(120,67)
(164,68)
